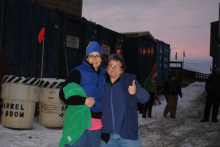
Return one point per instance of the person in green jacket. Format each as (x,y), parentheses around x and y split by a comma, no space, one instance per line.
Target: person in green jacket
(150,85)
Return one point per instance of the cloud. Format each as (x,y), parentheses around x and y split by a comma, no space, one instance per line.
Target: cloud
(182,24)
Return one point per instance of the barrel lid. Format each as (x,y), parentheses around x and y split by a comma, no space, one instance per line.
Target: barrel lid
(44,83)
(21,80)
(51,83)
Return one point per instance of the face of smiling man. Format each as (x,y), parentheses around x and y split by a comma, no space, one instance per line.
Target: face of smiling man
(114,70)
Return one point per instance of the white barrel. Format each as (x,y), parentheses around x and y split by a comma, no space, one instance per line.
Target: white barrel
(51,109)
(18,105)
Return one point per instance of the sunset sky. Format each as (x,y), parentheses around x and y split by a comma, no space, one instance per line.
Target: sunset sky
(184,24)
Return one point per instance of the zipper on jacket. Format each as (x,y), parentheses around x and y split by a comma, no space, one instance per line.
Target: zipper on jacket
(113,118)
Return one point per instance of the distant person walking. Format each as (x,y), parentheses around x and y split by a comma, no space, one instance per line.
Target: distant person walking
(172,90)
(150,85)
(212,88)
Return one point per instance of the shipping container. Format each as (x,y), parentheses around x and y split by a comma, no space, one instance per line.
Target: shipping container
(118,43)
(72,7)
(110,41)
(66,39)
(90,33)
(162,60)
(84,31)
(71,46)
(2,18)
(18,37)
(23,52)
(106,40)
(214,53)
(139,53)
(215,42)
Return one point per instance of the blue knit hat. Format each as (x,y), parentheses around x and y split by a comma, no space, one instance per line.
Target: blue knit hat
(93,47)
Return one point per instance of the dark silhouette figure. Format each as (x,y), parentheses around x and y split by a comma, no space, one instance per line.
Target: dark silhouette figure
(212,88)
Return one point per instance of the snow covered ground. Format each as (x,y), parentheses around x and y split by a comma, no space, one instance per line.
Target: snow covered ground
(185,131)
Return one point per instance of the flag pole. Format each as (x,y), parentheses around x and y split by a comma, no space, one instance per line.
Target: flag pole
(42,62)
(41,37)
(176,64)
(183,57)
(183,61)
(176,68)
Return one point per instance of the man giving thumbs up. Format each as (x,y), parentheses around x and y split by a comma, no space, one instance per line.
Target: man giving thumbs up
(132,89)
(119,103)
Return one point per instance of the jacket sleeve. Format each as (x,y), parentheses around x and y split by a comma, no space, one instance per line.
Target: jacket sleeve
(166,87)
(142,95)
(146,83)
(74,77)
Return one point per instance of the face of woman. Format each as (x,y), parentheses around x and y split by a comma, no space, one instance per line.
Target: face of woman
(114,69)
(95,59)
(173,78)
(154,75)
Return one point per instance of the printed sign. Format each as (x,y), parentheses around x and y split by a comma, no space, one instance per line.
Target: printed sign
(105,49)
(13,109)
(72,42)
(49,108)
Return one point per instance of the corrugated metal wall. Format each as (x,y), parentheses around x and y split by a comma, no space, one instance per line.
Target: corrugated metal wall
(139,55)
(24,54)
(214,42)
(118,43)
(162,59)
(71,56)
(72,7)
(66,39)
(90,33)
(130,53)
(214,38)
(18,40)
(1,22)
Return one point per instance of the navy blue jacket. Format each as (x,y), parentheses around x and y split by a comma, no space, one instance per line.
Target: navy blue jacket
(172,88)
(91,81)
(123,109)
(213,84)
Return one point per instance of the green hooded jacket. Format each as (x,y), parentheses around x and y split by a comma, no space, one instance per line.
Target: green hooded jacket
(77,118)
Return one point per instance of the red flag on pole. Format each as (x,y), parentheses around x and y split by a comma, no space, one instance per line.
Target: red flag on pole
(41,35)
(176,56)
(155,66)
(184,53)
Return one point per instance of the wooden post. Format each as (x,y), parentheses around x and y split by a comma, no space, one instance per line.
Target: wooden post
(176,68)
(42,62)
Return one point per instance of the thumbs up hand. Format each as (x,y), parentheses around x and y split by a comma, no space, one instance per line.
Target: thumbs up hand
(132,89)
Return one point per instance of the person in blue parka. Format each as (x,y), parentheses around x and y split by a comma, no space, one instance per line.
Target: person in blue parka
(119,101)
(82,93)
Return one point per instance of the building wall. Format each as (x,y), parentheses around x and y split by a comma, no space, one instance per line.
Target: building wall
(72,7)
(139,55)
(66,39)
(162,59)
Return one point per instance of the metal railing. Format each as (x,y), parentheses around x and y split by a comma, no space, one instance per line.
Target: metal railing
(184,75)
